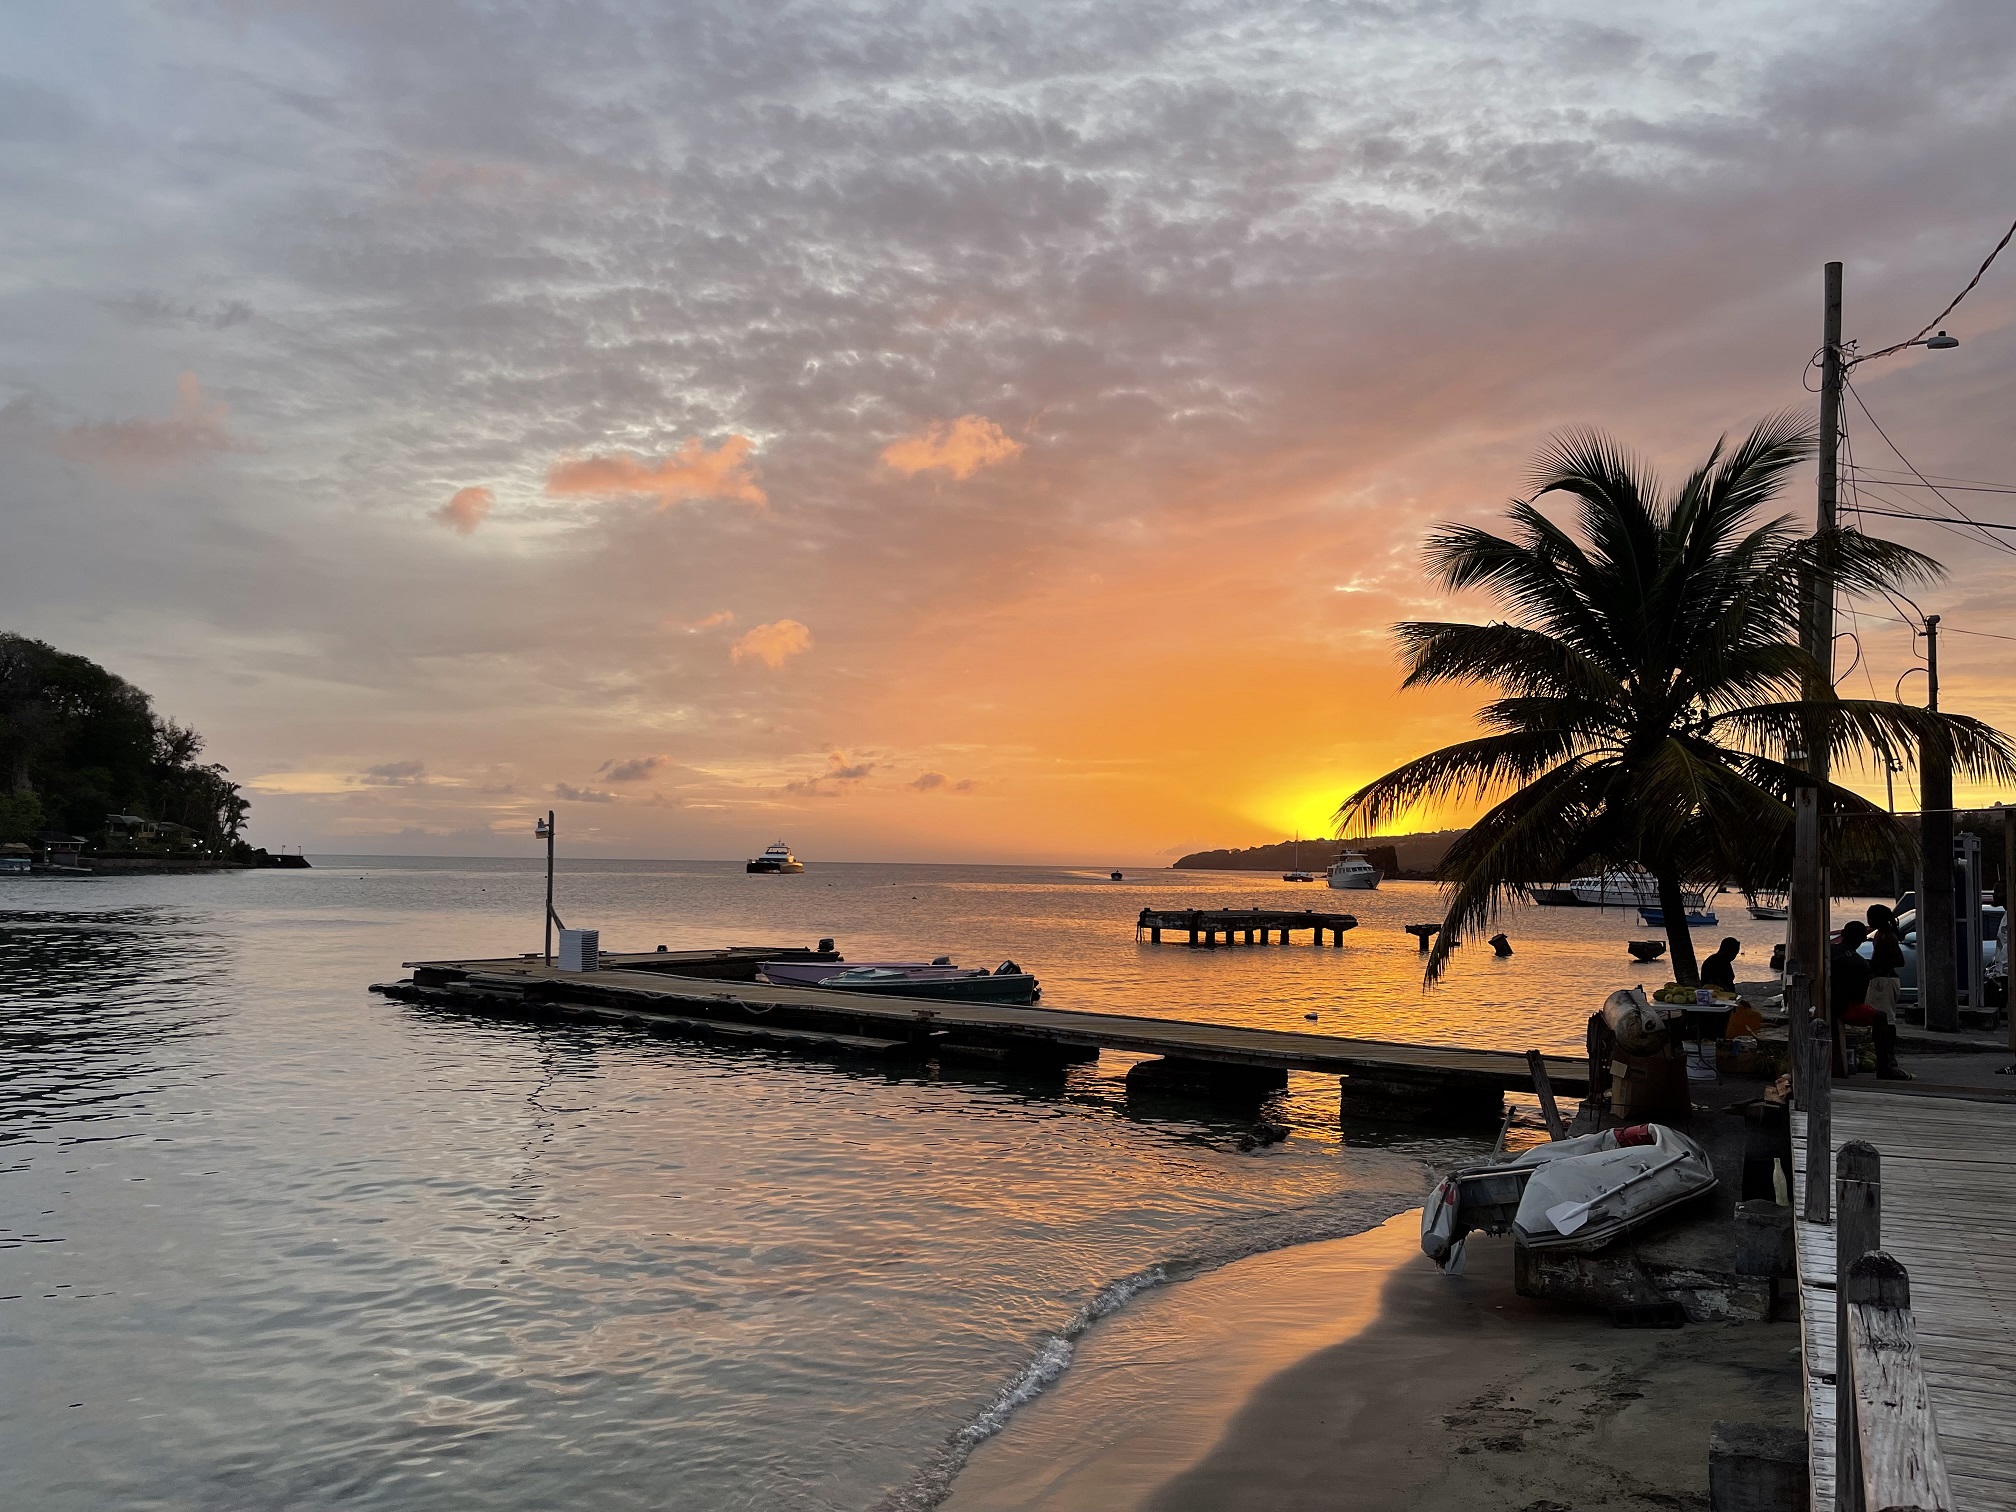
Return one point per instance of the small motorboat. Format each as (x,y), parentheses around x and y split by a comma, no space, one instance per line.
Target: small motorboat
(1118,877)
(1571,1195)
(1655,917)
(1645,950)
(938,979)
(1553,897)
(1768,907)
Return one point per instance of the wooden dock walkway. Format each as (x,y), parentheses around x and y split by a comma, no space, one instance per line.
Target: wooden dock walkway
(1241,925)
(1948,1213)
(1377,1078)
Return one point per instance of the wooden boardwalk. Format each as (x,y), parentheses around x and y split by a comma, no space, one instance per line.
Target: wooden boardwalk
(1949,1214)
(640,988)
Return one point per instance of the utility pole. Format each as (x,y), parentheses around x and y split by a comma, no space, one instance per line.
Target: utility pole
(1807,928)
(1937,978)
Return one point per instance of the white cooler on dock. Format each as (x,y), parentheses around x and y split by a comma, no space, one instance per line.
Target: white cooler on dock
(580,949)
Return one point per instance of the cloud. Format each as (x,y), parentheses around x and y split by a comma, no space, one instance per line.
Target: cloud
(773,644)
(840,774)
(927,781)
(712,621)
(196,427)
(392,774)
(581,795)
(636,769)
(960,447)
(466,509)
(692,472)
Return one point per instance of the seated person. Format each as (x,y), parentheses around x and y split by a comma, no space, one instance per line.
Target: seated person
(1719,970)
(1847,972)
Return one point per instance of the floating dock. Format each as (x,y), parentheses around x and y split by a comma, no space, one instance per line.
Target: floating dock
(714,995)
(1241,925)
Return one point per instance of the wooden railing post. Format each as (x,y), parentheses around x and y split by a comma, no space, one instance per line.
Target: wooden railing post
(1797,1000)
(1895,1463)
(1819,1115)
(1858,1229)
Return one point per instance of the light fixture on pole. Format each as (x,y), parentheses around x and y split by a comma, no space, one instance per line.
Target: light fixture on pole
(543,829)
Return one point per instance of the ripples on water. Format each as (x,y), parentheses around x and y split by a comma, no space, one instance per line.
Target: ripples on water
(269,1241)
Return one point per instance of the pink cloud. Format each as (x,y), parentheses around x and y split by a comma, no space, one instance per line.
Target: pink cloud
(773,644)
(466,509)
(692,472)
(197,426)
(960,447)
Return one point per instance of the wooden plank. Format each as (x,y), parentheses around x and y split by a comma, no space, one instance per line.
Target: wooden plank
(1949,1210)
(1901,1464)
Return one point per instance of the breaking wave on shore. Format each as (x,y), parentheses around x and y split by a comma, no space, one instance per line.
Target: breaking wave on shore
(1052,1356)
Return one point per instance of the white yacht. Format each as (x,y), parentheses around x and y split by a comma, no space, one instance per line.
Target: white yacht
(1351,872)
(1616,888)
(777,860)
(1622,888)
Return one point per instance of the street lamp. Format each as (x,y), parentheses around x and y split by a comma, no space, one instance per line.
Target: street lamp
(543,829)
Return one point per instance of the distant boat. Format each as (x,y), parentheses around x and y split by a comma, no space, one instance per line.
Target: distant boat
(1351,872)
(777,860)
(1622,887)
(1553,897)
(1297,874)
(1768,905)
(1119,876)
(938,980)
(1616,888)
(1655,918)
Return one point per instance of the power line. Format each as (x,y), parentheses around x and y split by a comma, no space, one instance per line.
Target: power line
(1898,514)
(1944,628)
(1961,514)
(1994,488)
(1900,346)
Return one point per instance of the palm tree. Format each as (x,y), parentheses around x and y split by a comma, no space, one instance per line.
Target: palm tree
(1653,695)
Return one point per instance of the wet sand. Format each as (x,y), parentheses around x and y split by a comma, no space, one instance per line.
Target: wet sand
(1353,1374)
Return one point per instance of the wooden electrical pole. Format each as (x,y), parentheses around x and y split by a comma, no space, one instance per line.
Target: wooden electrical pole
(1937,977)
(1807,929)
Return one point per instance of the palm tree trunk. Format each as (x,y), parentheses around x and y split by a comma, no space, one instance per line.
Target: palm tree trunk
(1679,941)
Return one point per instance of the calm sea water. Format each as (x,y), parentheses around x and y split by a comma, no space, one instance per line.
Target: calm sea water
(268,1240)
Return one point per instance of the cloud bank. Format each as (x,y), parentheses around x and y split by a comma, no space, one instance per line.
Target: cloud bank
(1057,362)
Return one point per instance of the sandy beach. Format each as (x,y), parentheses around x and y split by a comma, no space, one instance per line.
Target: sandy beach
(1352,1373)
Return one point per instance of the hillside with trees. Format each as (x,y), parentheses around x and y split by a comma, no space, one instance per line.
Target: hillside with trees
(84,754)
(1394,855)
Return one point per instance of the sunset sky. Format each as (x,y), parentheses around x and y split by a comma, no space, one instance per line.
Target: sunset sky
(923,431)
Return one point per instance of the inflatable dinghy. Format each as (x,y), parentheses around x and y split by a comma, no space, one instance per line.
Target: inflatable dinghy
(1573,1195)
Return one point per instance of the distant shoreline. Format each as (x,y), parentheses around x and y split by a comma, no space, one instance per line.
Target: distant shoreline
(1414,857)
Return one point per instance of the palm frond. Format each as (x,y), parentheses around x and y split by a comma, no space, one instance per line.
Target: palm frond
(1510,656)
(1535,833)
(1468,770)
(1866,729)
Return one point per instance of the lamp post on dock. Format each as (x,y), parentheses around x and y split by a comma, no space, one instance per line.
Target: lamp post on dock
(543,828)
